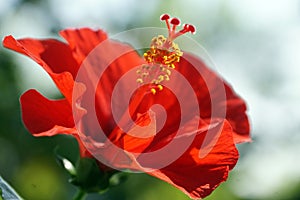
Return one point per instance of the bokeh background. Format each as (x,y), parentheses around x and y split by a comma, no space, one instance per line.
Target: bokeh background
(256,46)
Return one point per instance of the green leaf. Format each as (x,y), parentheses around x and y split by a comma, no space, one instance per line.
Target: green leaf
(118,178)
(65,163)
(89,177)
(7,192)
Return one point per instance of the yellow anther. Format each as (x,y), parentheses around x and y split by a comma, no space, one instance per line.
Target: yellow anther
(161,59)
(160,78)
(162,56)
(153,91)
(139,80)
(167,78)
(160,87)
(168,72)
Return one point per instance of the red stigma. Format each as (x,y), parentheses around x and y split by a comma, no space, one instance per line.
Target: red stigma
(164,17)
(192,29)
(176,22)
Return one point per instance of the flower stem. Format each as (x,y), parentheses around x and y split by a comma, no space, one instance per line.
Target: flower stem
(80,195)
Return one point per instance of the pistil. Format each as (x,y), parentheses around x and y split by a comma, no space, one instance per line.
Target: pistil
(163,55)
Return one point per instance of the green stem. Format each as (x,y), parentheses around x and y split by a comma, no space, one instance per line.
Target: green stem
(80,195)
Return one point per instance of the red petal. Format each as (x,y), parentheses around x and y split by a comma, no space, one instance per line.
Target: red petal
(44,117)
(139,135)
(211,90)
(54,56)
(83,41)
(117,151)
(196,176)
(236,115)
(214,99)
(143,100)
(112,58)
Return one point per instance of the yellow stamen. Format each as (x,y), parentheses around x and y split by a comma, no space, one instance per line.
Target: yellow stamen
(160,87)
(162,55)
(161,59)
(153,91)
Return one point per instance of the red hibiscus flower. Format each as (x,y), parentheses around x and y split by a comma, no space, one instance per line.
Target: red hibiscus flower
(198,168)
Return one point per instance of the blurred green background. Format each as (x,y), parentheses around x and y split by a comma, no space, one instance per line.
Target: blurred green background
(256,46)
